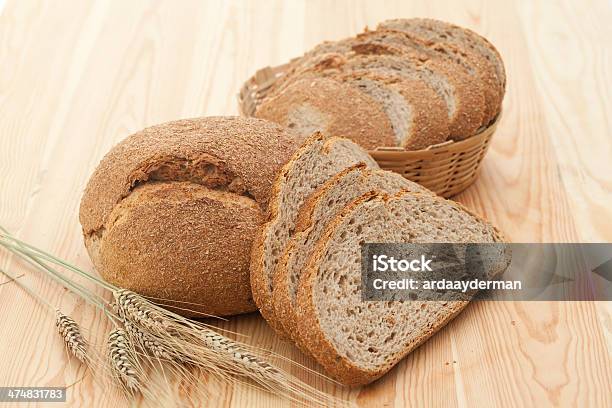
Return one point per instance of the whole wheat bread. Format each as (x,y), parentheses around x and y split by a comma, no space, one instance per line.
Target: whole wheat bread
(441,31)
(464,98)
(481,70)
(356,341)
(305,107)
(320,208)
(416,112)
(403,43)
(314,163)
(171,211)
(376,108)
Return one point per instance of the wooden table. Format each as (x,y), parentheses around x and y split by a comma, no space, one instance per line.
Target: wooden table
(77,76)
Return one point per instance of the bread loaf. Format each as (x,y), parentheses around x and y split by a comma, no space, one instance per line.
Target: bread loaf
(482,72)
(356,341)
(171,211)
(400,111)
(446,33)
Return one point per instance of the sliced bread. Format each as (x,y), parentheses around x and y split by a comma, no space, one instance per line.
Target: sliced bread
(314,163)
(306,106)
(356,341)
(417,113)
(442,31)
(463,58)
(171,211)
(464,100)
(464,97)
(320,208)
(376,108)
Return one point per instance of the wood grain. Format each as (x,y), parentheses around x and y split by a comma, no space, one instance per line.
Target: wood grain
(78,76)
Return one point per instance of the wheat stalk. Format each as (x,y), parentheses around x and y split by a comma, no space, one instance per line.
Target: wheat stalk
(67,327)
(71,334)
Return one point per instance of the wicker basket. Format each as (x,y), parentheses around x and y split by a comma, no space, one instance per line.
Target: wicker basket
(447,168)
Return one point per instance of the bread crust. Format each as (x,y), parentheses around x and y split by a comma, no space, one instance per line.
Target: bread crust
(494,74)
(260,287)
(429,119)
(222,170)
(163,241)
(311,337)
(318,60)
(237,147)
(469,100)
(469,113)
(284,312)
(349,113)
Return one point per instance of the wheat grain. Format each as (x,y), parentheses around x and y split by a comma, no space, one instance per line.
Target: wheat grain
(249,364)
(71,334)
(134,308)
(149,343)
(124,362)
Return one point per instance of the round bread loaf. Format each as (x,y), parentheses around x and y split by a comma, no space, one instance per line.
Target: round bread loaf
(171,211)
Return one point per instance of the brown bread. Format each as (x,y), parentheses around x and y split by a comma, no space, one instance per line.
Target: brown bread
(170,212)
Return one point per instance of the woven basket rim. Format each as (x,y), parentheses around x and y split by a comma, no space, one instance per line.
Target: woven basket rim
(448,143)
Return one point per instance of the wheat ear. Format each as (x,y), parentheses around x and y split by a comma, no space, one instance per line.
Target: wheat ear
(124,362)
(67,328)
(150,344)
(192,343)
(196,344)
(71,334)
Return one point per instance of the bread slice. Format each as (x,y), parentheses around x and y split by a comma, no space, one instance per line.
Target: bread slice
(318,210)
(319,53)
(482,72)
(332,107)
(356,341)
(464,99)
(314,163)
(412,110)
(416,112)
(441,31)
